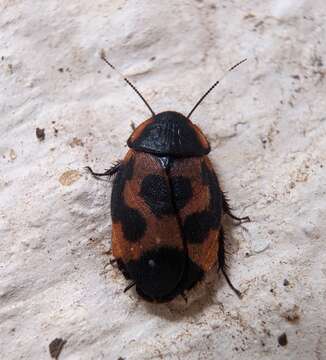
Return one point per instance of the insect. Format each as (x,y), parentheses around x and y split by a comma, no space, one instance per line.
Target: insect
(166,206)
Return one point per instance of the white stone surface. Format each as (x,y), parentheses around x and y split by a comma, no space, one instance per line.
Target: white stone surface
(266,123)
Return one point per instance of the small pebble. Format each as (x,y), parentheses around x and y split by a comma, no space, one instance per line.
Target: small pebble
(283,339)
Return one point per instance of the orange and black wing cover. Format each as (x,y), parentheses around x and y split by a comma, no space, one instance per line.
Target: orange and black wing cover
(146,236)
(199,203)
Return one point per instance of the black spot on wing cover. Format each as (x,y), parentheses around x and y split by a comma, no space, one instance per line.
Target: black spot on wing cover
(157,272)
(132,222)
(155,190)
(192,276)
(156,193)
(117,202)
(197,225)
(182,191)
(164,273)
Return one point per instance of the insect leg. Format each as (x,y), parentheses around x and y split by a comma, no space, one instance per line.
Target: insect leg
(109,172)
(122,268)
(222,261)
(227,210)
(129,286)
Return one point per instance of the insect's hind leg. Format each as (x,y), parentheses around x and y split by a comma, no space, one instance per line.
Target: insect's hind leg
(227,210)
(222,261)
(122,268)
(109,172)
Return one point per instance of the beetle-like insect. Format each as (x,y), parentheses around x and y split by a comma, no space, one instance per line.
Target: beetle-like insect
(166,206)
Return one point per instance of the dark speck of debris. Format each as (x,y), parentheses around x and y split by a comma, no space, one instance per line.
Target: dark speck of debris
(292,315)
(40,134)
(61,70)
(55,131)
(152,58)
(283,339)
(10,68)
(2,58)
(296,77)
(76,142)
(264,141)
(260,23)
(286,282)
(56,346)
(249,16)
(317,61)
(120,358)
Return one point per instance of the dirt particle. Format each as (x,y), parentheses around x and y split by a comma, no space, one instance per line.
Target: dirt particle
(102,52)
(292,315)
(10,69)
(76,142)
(260,23)
(316,60)
(60,70)
(40,134)
(55,347)
(282,339)
(69,177)
(286,282)
(55,131)
(249,16)
(12,155)
(263,141)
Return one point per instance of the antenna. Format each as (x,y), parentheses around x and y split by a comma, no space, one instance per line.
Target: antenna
(103,57)
(213,86)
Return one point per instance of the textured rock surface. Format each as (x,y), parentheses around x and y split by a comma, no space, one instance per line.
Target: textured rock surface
(266,123)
